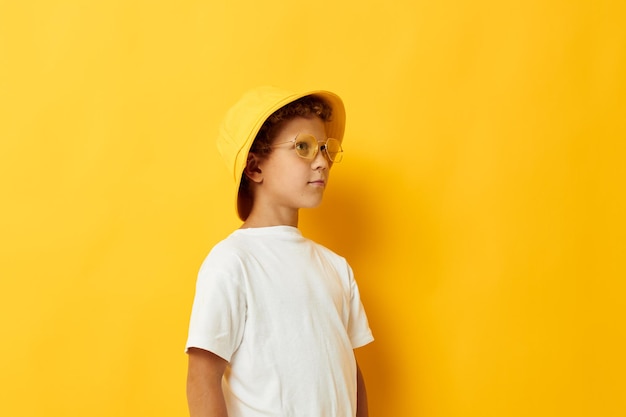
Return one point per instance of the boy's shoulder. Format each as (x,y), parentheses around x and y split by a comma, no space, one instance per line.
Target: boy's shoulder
(230,247)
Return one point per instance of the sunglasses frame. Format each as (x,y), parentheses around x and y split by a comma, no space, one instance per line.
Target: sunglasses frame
(318,147)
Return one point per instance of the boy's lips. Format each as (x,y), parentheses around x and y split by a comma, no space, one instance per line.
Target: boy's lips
(319,182)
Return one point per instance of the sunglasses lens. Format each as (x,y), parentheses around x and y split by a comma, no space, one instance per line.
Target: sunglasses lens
(306,146)
(333,148)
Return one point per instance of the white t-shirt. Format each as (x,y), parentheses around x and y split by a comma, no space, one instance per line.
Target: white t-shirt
(286,313)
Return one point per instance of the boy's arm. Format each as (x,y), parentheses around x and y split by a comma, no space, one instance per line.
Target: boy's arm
(204,384)
(361,394)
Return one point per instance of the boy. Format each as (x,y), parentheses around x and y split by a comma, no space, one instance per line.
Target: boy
(276,316)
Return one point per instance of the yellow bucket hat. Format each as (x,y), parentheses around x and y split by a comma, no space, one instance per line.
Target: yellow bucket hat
(245,118)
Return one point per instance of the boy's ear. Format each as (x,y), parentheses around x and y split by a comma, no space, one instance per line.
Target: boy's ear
(252,169)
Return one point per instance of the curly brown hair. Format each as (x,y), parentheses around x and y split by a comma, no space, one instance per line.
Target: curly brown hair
(308,106)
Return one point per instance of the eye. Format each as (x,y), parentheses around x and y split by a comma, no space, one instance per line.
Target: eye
(302,147)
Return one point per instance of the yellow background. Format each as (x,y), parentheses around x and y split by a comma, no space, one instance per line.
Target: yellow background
(480,203)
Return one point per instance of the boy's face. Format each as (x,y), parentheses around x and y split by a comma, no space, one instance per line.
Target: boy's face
(290,182)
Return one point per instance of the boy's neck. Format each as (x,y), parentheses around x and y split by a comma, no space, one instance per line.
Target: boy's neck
(259,218)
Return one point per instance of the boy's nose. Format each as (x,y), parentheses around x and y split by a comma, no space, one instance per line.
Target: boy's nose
(321,160)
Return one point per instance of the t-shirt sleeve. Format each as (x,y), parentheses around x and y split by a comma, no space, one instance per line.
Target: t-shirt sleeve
(358,327)
(219,307)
